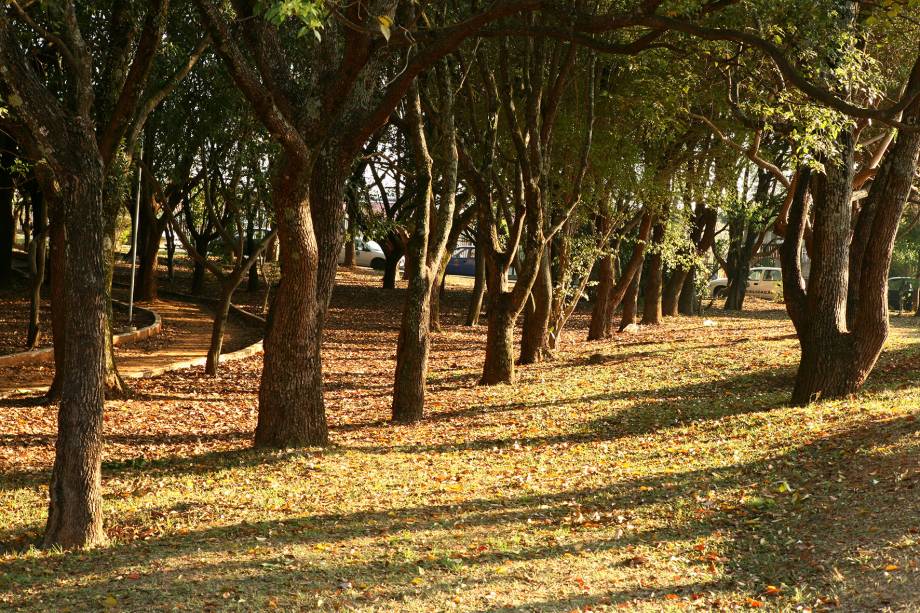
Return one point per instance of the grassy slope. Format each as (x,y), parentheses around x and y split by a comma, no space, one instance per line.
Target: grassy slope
(654,472)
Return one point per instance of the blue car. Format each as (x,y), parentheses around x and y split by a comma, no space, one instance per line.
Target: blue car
(462,262)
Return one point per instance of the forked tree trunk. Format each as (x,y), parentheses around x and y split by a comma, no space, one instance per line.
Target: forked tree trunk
(75,508)
(537,315)
(291,408)
(651,309)
(837,357)
(391,268)
(426,250)
(499,363)
(633,267)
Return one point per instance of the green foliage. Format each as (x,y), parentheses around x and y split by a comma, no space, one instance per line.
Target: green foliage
(309,13)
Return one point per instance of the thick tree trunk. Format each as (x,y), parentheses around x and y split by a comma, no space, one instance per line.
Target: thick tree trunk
(670,298)
(499,363)
(75,508)
(537,315)
(651,310)
(412,348)
(598,326)
(391,268)
(149,249)
(687,303)
(631,301)
(739,262)
(308,212)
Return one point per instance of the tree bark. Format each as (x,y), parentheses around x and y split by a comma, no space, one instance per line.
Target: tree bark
(37,258)
(687,302)
(75,508)
(631,301)
(598,325)
(479,285)
(651,310)
(499,363)
(221,313)
(7,219)
(308,205)
(537,315)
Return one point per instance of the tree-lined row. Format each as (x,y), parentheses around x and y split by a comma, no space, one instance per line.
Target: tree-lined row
(561,136)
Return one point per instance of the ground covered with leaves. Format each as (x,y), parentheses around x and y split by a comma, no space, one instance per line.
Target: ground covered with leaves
(657,471)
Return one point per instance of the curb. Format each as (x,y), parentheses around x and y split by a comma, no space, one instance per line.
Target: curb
(46,354)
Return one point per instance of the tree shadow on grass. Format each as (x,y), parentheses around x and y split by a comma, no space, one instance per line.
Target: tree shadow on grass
(855,502)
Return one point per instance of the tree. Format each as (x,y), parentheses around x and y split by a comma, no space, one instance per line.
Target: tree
(73,118)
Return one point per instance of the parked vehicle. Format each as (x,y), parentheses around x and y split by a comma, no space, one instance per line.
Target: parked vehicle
(763,282)
(367,254)
(462,262)
(901,292)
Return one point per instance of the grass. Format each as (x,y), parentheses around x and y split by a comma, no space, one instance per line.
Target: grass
(658,471)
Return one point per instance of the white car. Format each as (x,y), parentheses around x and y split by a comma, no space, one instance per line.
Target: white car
(367,253)
(763,282)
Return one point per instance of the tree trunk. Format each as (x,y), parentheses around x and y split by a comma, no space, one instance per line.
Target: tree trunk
(436,297)
(75,508)
(479,286)
(631,301)
(599,317)
(739,262)
(687,303)
(308,212)
(7,219)
(201,246)
(391,268)
(115,386)
(57,236)
(499,363)
(170,254)
(630,270)
(412,348)
(37,256)
(651,310)
(670,298)
(537,315)
(252,283)
(149,249)
(221,313)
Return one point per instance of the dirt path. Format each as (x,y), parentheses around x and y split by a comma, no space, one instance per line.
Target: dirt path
(185,336)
